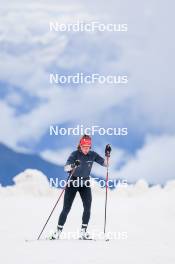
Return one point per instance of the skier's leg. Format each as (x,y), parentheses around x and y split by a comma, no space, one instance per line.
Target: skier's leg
(85,193)
(86,196)
(69,196)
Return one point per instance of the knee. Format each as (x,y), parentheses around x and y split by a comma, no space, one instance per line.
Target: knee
(66,209)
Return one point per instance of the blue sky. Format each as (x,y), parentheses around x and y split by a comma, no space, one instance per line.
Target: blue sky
(29,104)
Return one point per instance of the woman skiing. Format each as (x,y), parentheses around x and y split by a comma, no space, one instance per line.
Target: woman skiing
(81,162)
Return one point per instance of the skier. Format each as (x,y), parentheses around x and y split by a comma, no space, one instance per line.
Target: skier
(82,159)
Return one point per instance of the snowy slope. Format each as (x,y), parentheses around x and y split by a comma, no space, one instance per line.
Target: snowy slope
(147,215)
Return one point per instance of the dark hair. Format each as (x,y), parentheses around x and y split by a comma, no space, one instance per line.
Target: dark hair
(84,136)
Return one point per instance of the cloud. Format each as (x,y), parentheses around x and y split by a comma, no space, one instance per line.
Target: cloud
(154,162)
(58,157)
(29,52)
(10,131)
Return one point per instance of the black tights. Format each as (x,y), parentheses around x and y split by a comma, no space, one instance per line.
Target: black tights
(70,193)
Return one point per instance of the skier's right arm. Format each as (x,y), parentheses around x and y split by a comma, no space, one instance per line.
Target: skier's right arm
(71,162)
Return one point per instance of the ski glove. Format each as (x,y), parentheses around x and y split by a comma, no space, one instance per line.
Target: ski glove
(108,150)
(69,167)
(75,164)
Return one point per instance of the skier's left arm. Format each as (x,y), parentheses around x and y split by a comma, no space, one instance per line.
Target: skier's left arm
(102,161)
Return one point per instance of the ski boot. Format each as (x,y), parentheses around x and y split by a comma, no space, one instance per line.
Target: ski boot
(83,233)
(56,234)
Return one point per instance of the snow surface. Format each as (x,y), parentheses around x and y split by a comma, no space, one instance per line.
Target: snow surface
(146,215)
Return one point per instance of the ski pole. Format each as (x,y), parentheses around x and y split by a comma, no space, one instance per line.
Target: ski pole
(106,195)
(70,175)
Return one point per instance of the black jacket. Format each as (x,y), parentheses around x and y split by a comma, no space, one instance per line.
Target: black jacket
(86,162)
